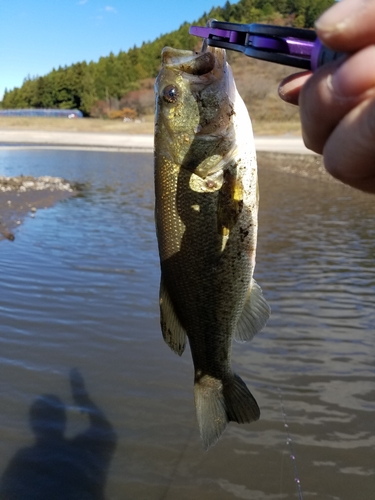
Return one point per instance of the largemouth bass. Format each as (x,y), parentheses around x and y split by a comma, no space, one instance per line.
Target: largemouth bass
(206,210)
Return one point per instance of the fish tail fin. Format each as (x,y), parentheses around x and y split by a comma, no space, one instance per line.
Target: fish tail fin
(218,402)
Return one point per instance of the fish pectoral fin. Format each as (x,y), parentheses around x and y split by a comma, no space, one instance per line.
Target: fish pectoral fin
(173,333)
(255,314)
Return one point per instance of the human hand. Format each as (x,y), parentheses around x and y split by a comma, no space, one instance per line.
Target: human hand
(79,393)
(337,102)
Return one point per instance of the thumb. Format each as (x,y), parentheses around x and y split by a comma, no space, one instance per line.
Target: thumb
(348,25)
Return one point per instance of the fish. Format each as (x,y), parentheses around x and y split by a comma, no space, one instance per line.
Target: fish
(206,216)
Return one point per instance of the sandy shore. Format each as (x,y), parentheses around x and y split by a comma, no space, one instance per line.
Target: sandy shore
(76,140)
(125,142)
(23,195)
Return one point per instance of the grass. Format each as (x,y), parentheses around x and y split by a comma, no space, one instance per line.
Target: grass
(292,127)
(76,125)
(261,127)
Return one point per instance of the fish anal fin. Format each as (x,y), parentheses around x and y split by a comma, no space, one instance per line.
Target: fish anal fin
(255,314)
(173,333)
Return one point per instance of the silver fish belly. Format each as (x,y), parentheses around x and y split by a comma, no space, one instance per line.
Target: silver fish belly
(206,208)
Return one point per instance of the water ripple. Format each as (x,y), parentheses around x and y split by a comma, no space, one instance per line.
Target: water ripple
(80,286)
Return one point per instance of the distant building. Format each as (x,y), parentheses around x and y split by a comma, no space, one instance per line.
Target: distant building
(69,113)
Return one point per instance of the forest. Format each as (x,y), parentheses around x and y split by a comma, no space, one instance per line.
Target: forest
(119,86)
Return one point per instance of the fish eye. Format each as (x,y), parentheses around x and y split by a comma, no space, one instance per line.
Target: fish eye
(170,94)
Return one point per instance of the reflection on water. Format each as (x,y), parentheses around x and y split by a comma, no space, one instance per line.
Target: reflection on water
(79,288)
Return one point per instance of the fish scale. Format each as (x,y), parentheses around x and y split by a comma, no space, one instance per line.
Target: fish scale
(206,204)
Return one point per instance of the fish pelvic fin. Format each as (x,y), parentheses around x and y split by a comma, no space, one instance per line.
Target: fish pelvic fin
(218,402)
(255,314)
(173,333)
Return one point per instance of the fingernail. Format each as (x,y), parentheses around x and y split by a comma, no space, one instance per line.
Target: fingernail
(289,91)
(356,75)
(290,87)
(339,15)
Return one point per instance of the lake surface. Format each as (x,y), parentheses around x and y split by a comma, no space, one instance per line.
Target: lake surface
(79,289)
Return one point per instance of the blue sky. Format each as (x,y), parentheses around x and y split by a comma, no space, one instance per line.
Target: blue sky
(38,35)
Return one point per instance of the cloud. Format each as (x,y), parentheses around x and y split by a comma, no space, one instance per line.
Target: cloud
(82,2)
(108,8)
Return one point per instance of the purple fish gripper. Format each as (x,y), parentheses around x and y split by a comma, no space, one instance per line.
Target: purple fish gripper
(205,32)
(244,40)
(288,45)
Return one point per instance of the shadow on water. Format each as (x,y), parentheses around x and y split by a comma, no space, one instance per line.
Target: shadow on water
(56,467)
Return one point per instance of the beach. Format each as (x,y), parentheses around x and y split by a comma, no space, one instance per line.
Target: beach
(126,142)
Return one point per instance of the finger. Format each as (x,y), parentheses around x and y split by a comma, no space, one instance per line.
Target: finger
(290,87)
(354,164)
(357,75)
(321,108)
(332,92)
(348,25)
(353,78)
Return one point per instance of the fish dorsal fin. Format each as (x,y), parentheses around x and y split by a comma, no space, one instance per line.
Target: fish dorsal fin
(173,333)
(255,314)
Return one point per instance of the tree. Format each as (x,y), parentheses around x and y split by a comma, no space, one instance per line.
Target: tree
(81,85)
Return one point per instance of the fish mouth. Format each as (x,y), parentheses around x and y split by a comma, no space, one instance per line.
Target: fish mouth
(198,113)
(194,63)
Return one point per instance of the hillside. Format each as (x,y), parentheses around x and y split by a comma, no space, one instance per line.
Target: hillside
(122,85)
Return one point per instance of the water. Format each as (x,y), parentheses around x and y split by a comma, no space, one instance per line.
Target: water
(79,289)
